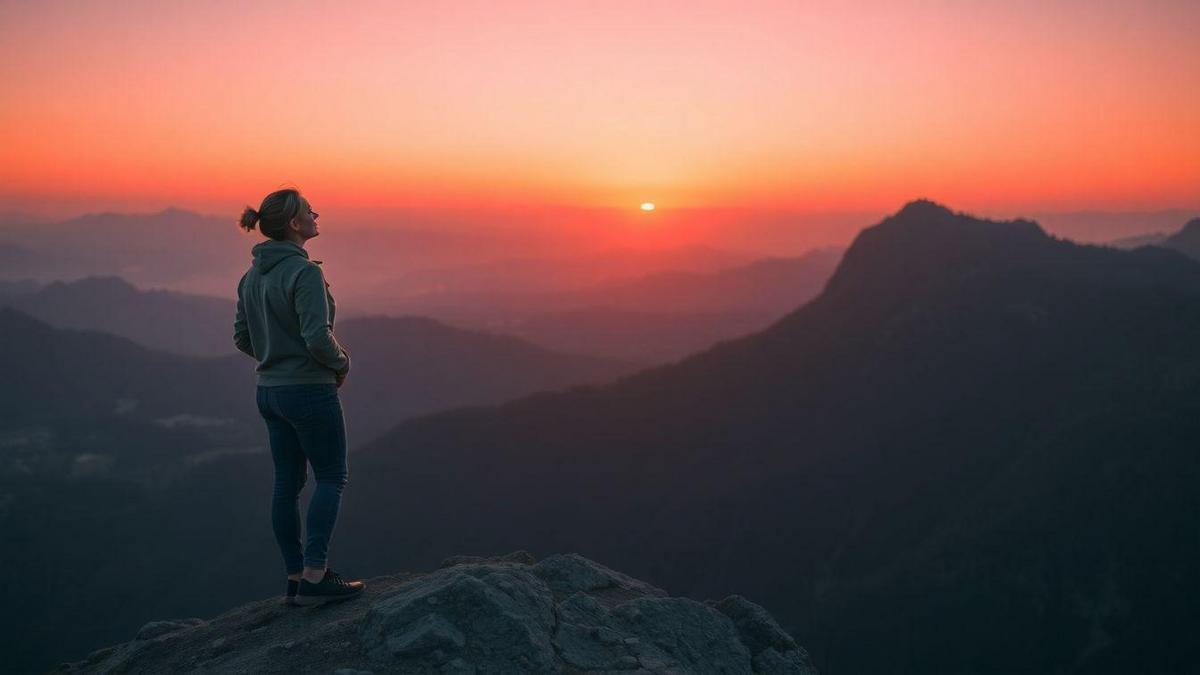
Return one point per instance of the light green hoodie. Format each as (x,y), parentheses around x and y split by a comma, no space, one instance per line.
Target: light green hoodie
(285,318)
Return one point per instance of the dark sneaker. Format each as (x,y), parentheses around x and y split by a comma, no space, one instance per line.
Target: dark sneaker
(293,586)
(331,589)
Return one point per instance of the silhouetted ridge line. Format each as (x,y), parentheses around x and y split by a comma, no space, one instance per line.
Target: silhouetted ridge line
(923,244)
(1186,240)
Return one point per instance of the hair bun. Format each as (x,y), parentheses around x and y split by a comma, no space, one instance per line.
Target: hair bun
(249,219)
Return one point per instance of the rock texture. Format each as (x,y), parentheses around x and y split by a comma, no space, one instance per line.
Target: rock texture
(510,614)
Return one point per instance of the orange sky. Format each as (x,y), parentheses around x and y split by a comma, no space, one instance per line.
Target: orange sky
(772,105)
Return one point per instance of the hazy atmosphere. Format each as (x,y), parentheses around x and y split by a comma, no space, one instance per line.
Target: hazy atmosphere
(668,337)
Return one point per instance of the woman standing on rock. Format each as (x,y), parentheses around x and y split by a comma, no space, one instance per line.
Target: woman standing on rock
(285,321)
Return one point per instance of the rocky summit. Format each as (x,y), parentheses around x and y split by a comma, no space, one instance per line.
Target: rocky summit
(510,614)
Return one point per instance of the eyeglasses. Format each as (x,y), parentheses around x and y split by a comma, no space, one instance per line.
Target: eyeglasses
(314,214)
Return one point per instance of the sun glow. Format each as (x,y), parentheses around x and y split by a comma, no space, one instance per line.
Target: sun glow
(647,206)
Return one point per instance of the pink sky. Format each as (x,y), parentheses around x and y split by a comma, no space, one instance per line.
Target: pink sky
(769,105)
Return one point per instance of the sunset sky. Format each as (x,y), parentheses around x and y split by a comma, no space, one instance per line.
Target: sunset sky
(792,106)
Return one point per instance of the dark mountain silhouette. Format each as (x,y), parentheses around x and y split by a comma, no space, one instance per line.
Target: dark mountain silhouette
(18,288)
(403,367)
(976,437)
(442,366)
(58,374)
(1186,241)
(408,366)
(510,614)
(195,325)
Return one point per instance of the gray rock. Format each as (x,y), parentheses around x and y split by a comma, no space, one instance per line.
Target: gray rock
(458,667)
(570,572)
(587,637)
(99,655)
(651,632)
(682,634)
(494,617)
(429,633)
(774,650)
(791,663)
(159,628)
(755,625)
(478,616)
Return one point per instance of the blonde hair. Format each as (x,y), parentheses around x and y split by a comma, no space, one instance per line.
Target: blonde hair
(273,215)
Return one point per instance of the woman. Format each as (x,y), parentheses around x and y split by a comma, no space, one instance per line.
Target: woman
(285,321)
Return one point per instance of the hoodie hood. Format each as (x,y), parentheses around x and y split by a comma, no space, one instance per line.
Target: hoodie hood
(270,253)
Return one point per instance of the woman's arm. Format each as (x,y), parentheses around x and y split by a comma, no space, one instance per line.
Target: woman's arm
(313,310)
(241,333)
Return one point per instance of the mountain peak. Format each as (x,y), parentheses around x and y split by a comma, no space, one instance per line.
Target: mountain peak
(1186,240)
(1191,227)
(925,242)
(928,217)
(923,209)
(565,613)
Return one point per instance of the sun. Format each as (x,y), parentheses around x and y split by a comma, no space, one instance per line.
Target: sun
(647,206)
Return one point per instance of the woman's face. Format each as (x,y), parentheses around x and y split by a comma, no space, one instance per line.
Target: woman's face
(305,222)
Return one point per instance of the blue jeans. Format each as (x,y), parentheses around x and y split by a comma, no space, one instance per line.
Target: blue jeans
(305,426)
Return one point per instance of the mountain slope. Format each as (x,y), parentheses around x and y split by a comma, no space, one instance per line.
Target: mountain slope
(408,366)
(403,366)
(1186,240)
(60,373)
(926,458)
(152,318)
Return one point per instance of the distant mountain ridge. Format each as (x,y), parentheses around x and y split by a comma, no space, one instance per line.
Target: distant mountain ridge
(1186,240)
(643,305)
(408,366)
(183,323)
(404,367)
(653,318)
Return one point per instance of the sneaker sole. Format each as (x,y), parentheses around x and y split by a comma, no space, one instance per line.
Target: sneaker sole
(314,600)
